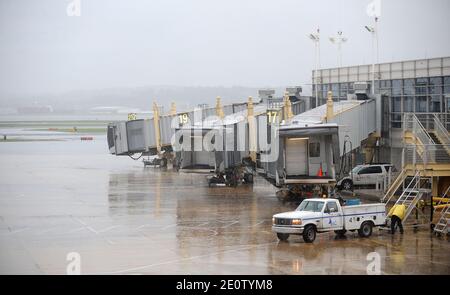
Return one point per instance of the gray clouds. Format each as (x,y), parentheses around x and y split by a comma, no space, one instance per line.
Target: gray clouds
(200,42)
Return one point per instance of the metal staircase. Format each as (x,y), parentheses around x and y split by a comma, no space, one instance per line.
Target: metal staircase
(444,218)
(440,135)
(426,154)
(395,185)
(412,194)
(442,225)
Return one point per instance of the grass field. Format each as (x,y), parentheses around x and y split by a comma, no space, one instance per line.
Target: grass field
(23,131)
(72,130)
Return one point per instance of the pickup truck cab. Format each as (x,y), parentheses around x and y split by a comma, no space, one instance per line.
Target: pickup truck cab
(365,175)
(323,215)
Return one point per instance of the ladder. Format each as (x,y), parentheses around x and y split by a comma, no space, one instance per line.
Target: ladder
(411,195)
(442,224)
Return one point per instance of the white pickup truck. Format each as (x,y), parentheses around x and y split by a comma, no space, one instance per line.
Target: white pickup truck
(323,215)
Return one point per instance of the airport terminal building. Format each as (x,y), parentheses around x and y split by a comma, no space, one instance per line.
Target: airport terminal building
(412,86)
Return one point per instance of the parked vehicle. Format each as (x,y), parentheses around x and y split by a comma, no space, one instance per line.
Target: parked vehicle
(320,215)
(231,176)
(365,175)
(155,161)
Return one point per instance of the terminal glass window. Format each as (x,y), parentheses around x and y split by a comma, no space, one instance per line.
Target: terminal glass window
(435,86)
(350,88)
(325,88)
(421,90)
(385,87)
(421,104)
(421,81)
(447,85)
(435,104)
(408,104)
(335,91)
(408,87)
(396,120)
(396,87)
(385,84)
(421,86)
(377,87)
(396,104)
(435,81)
(343,91)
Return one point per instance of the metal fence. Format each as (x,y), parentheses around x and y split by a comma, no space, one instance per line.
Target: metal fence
(426,154)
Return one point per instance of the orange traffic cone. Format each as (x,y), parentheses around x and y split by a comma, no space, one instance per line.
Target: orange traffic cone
(320,172)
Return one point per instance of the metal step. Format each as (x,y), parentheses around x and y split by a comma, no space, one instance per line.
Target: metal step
(440,229)
(443,222)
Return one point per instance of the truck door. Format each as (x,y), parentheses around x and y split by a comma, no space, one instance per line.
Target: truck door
(332,217)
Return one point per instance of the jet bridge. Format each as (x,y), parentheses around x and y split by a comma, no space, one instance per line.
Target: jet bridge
(311,144)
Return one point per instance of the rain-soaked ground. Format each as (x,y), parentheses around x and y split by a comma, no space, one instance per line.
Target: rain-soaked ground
(71,196)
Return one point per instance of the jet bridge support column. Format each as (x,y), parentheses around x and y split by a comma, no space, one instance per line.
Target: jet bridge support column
(219,109)
(173,109)
(156,126)
(330,110)
(251,129)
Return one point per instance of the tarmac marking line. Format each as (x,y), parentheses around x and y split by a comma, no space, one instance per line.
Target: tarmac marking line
(230,224)
(77,229)
(19,230)
(108,228)
(245,247)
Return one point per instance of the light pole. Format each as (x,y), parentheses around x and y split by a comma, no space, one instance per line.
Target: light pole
(315,37)
(338,40)
(374,31)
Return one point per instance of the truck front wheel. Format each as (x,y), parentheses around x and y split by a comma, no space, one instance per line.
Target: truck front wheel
(309,234)
(282,237)
(365,230)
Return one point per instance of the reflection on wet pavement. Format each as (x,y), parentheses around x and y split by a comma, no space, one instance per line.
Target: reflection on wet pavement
(124,219)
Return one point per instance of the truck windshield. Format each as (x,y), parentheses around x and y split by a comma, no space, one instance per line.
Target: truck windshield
(311,206)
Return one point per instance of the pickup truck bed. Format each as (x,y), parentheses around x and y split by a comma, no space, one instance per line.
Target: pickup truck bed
(355,215)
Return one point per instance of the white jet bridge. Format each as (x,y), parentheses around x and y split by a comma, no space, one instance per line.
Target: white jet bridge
(312,144)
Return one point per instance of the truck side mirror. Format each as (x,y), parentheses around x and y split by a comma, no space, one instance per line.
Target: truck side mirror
(332,210)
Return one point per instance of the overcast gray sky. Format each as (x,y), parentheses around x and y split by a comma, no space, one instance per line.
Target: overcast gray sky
(201,42)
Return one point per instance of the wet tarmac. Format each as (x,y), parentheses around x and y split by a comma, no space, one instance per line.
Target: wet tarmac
(71,196)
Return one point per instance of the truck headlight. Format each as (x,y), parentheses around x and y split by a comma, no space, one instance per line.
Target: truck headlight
(296,221)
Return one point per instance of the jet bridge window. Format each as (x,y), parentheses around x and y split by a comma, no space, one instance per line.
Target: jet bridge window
(314,149)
